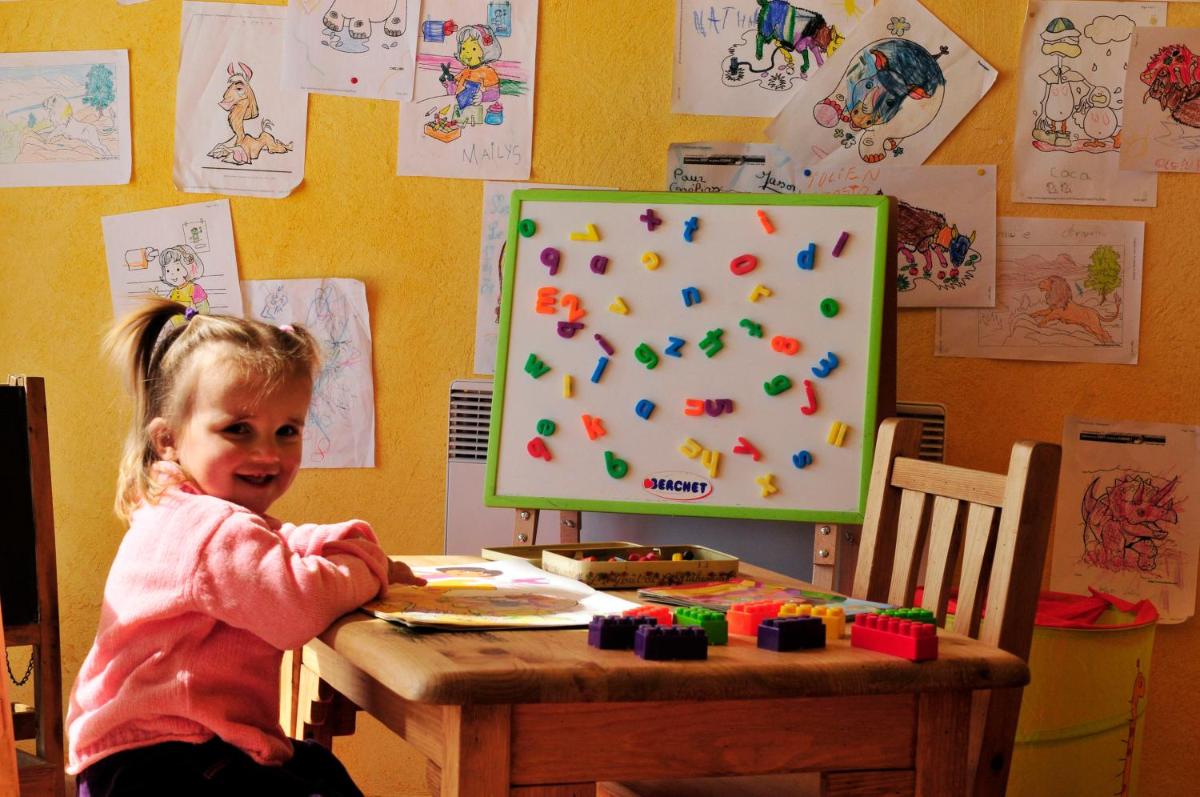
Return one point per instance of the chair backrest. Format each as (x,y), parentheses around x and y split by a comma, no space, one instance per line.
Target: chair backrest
(8,739)
(1001,526)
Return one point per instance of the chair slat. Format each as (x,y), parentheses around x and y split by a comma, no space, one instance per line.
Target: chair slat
(910,542)
(896,438)
(979,543)
(974,486)
(944,528)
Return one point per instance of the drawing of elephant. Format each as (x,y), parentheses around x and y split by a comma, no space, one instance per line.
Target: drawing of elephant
(892,89)
(357,16)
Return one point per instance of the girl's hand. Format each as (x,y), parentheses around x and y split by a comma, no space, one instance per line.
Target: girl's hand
(400,573)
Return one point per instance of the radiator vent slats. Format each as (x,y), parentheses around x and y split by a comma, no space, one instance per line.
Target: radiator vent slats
(470,414)
(933,428)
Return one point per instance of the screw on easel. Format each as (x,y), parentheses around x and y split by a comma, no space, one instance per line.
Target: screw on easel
(823,553)
(524,514)
(569,524)
(522,538)
(824,530)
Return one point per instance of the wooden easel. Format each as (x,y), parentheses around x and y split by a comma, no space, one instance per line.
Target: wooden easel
(835,546)
(42,773)
(525,526)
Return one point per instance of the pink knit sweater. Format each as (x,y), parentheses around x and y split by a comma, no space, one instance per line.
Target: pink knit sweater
(202,599)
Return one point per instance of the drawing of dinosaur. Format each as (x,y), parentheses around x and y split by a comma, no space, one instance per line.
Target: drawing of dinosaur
(1123,527)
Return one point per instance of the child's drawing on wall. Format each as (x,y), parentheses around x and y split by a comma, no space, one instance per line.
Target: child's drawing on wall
(1163,129)
(891,92)
(239,126)
(64,118)
(351,48)
(146,258)
(472,109)
(1123,519)
(1072,103)
(180,267)
(1067,291)
(339,431)
(746,57)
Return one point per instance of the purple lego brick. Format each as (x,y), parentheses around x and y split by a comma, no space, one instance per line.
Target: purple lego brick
(615,632)
(791,633)
(657,643)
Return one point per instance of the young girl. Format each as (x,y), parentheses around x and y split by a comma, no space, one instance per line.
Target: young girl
(180,691)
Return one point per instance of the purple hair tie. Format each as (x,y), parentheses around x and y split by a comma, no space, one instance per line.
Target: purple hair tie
(190,313)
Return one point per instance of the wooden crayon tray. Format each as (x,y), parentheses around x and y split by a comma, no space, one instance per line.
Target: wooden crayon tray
(705,564)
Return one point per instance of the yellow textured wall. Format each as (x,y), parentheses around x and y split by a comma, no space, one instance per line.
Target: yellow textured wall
(602,118)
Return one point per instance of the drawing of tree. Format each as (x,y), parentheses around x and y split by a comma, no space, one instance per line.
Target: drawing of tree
(99,90)
(1104,271)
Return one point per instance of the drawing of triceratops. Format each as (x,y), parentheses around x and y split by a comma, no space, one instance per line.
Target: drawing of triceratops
(1124,526)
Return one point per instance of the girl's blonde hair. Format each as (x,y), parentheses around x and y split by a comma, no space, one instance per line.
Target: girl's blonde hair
(154,346)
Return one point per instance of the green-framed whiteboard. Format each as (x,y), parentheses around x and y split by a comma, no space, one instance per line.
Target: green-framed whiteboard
(678,354)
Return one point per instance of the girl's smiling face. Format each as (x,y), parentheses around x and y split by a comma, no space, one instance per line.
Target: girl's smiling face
(471,53)
(235,441)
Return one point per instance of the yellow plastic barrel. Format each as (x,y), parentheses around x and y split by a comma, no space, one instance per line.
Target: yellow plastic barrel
(1081,725)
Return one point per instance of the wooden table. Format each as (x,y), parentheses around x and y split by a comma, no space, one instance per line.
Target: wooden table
(541,714)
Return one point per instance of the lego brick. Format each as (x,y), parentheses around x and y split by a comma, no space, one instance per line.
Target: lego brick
(834,617)
(655,643)
(915,615)
(744,618)
(915,641)
(713,622)
(782,634)
(660,613)
(615,632)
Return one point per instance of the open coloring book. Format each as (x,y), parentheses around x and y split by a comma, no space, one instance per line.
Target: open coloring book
(494,595)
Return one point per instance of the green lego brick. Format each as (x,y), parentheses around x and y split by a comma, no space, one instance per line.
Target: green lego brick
(713,622)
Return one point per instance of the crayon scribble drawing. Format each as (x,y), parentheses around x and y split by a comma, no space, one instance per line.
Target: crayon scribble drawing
(339,431)
(1072,104)
(1065,291)
(1123,522)
(64,118)
(1163,116)
(472,109)
(897,86)
(745,58)
(237,129)
(183,253)
(355,48)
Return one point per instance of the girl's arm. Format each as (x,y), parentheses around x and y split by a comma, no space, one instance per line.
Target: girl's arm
(249,576)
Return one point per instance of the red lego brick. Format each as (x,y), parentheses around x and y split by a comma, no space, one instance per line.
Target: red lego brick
(660,613)
(744,618)
(895,637)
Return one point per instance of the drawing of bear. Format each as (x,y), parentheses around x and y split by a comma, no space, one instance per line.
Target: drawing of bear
(892,89)
(356,17)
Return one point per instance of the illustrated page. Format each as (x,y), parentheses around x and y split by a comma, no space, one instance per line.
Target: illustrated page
(1066,291)
(1124,523)
(237,130)
(1071,104)
(472,110)
(893,91)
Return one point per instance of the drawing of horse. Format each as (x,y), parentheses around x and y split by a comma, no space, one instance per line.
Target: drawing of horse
(241,105)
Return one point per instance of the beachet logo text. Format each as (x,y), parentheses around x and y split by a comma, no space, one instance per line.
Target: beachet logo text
(677,486)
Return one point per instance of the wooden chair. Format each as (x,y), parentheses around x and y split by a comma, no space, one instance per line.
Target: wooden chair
(8,739)
(29,581)
(998,526)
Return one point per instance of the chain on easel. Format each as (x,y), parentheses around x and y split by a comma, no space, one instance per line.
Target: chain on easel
(28,670)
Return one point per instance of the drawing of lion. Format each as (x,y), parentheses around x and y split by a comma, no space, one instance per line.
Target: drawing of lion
(1063,307)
